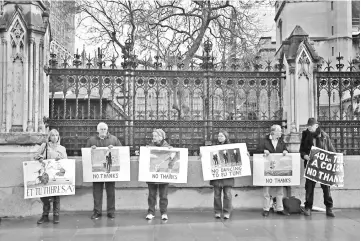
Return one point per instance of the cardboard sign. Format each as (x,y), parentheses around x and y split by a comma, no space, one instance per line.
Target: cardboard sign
(163,164)
(225,161)
(325,167)
(49,178)
(106,165)
(276,169)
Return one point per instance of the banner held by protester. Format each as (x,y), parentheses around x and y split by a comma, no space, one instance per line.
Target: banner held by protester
(325,167)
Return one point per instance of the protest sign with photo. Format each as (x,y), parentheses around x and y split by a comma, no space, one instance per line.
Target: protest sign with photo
(106,165)
(325,167)
(276,169)
(163,164)
(225,161)
(49,178)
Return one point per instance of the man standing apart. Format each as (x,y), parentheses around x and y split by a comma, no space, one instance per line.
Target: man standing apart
(314,136)
(103,139)
(273,143)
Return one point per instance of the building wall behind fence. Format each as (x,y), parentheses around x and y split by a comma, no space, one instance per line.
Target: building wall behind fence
(133,195)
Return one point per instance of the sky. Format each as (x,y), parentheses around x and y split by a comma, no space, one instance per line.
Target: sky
(266,15)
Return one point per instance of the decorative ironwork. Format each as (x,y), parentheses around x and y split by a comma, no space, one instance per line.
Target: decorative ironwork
(338,106)
(190,105)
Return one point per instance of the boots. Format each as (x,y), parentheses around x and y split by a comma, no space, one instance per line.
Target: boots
(43,219)
(329,213)
(56,219)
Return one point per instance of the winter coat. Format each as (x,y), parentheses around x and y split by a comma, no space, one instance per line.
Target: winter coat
(266,144)
(226,182)
(162,144)
(323,141)
(107,141)
(51,151)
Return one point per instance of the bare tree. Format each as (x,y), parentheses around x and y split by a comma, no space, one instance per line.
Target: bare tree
(172,28)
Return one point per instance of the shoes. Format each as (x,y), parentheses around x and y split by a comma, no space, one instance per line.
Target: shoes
(226,216)
(329,213)
(283,212)
(43,219)
(307,212)
(56,219)
(149,216)
(95,216)
(265,213)
(111,215)
(164,216)
(217,215)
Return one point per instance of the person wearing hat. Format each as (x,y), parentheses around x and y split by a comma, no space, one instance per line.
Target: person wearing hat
(159,137)
(224,185)
(273,143)
(314,136)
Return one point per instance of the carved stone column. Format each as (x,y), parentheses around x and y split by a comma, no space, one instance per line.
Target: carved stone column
(31,85)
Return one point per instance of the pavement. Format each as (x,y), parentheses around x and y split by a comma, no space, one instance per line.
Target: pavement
(245,225)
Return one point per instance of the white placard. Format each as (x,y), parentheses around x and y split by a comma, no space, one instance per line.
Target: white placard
(276,169)
(225,161)
(106,165)
(49,178)
(163,164)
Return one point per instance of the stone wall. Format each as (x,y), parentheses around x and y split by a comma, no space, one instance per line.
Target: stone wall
(196,194)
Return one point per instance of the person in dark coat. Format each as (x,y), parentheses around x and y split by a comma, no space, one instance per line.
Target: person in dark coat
(314,136)
(158,140)
(224,185)
(103,139)
(273,143)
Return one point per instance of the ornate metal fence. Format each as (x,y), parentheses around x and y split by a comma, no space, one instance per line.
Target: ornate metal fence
(190,105)
(338,105)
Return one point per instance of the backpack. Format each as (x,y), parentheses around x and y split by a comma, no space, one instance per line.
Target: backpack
(292,204)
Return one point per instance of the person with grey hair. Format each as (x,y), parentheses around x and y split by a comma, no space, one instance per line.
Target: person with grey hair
(273,143)
(103,139)
(51,149)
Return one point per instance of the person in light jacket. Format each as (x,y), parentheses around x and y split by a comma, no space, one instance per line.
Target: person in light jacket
(51,149)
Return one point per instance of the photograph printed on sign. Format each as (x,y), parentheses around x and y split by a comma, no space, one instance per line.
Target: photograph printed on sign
(47,173)
(226,158)
(164,161)
(280,167)
(105,160)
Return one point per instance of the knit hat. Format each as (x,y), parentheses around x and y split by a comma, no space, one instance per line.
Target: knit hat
(311,121)
(160,132)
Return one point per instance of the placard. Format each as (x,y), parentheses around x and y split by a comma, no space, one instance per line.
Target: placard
(163,164)
(276,169)
(106,165)
(325,167)
(49,178)
(225,161)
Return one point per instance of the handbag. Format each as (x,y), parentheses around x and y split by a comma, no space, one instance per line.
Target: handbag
(292,204)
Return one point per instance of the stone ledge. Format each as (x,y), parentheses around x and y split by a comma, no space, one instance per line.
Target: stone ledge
(22,138)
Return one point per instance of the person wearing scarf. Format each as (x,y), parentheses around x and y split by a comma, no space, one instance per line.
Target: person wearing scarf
(273,143)
(314,136)
(224,185)
(51,149)
(159,137)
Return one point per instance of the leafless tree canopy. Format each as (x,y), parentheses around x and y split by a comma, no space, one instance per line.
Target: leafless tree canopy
(172,28)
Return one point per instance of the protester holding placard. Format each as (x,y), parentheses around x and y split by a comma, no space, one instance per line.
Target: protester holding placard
(51,149)
(103,139)
(224,185)
(314,136)
(273,143)
(158,140)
